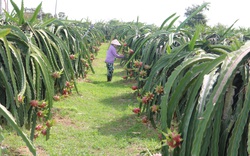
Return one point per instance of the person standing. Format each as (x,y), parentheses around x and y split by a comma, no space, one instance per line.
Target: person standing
(110,58)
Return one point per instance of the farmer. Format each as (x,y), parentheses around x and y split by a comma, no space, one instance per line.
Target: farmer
(110,58)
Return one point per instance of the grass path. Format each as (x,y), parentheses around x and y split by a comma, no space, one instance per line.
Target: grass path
(98,122)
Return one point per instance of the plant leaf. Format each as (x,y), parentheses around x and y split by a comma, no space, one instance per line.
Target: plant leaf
(7,115)
(36,12)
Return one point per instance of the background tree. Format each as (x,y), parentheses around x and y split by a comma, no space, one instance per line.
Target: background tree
(199,18)
(61,15)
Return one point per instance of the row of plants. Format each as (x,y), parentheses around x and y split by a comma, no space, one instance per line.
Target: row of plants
(192,85)
(40,62)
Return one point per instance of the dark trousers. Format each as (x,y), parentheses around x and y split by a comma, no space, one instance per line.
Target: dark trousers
(110,70)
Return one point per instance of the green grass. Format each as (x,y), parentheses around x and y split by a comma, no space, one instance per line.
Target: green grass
(98,121)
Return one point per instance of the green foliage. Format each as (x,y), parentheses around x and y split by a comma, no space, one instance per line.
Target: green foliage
(203,74)
(182,73)
(30,55)
(7,115)
(248,140)
(19,18)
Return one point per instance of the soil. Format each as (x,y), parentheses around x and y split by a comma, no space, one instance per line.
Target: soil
(24,151)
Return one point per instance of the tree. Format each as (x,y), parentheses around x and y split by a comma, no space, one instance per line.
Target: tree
(61,15)
(199,18)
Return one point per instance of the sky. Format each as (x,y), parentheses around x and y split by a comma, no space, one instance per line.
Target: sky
(149,11)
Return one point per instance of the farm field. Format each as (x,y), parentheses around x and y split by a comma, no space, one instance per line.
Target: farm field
(181,89)
(98,121)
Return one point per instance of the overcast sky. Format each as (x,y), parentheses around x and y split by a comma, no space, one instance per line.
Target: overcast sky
(148,11)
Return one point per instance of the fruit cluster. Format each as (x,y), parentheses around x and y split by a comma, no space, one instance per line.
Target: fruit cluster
(173,139)
(40,107)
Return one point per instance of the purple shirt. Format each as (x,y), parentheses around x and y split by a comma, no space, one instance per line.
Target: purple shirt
(112,54)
